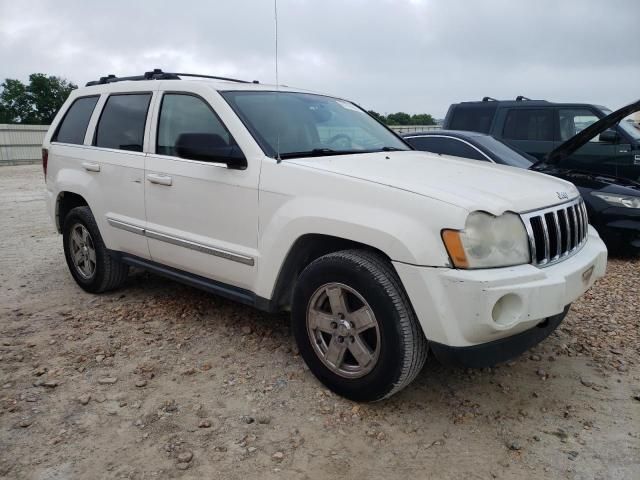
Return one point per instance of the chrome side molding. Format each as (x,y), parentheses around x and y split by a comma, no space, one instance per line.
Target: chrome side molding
(182,242)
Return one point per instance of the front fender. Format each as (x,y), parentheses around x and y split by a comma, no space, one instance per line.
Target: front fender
(409,235)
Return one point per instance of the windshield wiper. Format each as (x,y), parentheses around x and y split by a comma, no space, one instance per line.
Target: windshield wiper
(317,152)
(391,149)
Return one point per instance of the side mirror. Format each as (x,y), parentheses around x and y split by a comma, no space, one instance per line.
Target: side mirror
(209,147)
(609,136)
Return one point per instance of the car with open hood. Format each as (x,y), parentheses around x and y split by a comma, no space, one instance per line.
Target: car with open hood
(289,200)
(601,157)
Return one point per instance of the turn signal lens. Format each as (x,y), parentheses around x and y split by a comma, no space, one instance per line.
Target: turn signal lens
(453,244)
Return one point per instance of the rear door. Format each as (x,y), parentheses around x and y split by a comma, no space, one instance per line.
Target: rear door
(531,130)
(116,159)
(202,216)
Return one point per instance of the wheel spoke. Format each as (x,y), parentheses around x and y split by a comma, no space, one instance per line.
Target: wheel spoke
(362,319)
(77,256)
(321,321)
(337,300)
(92,255)
(75,237)
(85,235)
(360,351)
(335,352)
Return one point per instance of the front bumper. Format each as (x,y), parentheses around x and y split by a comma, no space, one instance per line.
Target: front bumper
(461,308)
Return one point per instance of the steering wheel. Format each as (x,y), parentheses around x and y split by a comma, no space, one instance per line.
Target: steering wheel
(345,141)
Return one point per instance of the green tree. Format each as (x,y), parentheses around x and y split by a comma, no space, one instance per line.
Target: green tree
(377,116)
(422,119)
(398,118)
(35,103)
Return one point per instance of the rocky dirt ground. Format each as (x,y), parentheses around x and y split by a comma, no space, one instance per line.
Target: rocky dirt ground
(159,380)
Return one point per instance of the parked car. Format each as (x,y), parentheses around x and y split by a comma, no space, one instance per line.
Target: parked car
(537,127)
(612,199)
(287,200)
(473,145)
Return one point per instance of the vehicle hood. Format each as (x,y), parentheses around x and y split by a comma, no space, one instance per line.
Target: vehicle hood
(469,184)
(574,143)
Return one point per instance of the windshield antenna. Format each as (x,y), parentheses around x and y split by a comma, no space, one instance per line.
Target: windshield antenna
(275,14)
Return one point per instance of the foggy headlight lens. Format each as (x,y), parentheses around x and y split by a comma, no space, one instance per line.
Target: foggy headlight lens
(488,241)
(618,200)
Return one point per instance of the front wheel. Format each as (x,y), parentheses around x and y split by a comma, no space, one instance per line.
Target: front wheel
(355,327)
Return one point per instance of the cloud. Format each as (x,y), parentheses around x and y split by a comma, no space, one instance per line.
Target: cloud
(414,55)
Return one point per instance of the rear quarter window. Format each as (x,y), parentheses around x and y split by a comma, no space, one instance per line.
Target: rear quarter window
(473,118)
(73,126)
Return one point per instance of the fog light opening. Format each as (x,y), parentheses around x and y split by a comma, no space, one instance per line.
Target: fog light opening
(507,309)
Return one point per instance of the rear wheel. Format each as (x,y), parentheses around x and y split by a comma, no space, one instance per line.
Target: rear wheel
(355,327)
(89,261)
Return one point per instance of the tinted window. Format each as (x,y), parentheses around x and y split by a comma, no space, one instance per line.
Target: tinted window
(74,124)
(122,122)
(185,114)
(445,146)
(529,124)
(502,153)
(574,120)
(474,119)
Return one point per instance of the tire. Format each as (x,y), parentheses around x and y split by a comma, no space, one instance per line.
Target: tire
(364,285)
(98,271)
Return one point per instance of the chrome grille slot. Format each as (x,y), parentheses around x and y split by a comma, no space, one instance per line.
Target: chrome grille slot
(557,232)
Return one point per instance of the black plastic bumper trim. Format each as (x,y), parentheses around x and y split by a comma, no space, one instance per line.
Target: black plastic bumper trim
(502,350)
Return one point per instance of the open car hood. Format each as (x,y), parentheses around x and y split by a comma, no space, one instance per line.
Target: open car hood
(577,141)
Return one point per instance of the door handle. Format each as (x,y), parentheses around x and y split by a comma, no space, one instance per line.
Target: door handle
(160,179)
(91,167)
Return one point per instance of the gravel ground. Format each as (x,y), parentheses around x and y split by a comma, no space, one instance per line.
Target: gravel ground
(159,380)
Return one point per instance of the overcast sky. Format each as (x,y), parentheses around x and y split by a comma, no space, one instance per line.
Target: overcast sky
(387,55)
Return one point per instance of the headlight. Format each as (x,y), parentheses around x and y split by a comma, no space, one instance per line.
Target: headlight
(488,241)
(618,200)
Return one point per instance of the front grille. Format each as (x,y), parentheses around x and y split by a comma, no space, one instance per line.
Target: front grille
(556,233)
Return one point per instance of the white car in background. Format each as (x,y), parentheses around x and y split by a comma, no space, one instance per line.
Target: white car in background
(289,200)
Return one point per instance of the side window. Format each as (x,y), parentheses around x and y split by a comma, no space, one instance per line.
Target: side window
(574,120)
(122,121)
(74,124)
(427,144)
(475,119)
(182,115)
(529,124)
(446,146)
(456,148)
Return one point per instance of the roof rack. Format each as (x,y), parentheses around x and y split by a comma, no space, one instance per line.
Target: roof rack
(158,74)
(520,98)
(489,99)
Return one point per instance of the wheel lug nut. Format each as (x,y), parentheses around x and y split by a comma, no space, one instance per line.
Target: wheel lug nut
(334,325)
(341,316)
(352,339)
(340,339)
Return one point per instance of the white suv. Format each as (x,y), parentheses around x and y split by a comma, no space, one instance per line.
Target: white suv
(284,199)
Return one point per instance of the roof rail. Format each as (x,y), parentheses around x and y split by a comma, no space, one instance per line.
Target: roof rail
(520,98)
(158,74)
(488,99)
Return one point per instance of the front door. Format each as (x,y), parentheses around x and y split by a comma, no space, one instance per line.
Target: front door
(202,217)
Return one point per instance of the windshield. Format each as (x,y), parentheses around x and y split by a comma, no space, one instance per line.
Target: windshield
(291,125)
(507,154)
